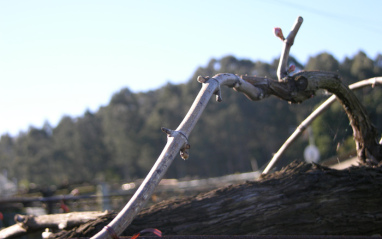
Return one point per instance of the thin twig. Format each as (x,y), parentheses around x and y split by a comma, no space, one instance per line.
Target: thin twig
(288,42)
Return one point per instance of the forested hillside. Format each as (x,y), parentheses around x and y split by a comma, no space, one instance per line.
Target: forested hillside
(122,140)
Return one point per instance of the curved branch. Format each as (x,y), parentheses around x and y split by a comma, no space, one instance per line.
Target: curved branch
(365,134)
(303,85)
(296,88)
(301,128)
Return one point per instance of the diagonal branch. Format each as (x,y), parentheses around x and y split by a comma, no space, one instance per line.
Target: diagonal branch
(177,140)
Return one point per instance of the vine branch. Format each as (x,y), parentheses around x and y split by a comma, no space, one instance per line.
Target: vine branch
(295,89)
(303,85)
(317,112)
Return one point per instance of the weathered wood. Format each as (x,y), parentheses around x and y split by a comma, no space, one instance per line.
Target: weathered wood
(30,223)
(364,133)
(301,199)
(303,85)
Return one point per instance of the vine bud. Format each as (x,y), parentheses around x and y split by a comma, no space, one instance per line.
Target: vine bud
(278,33)
(291,68)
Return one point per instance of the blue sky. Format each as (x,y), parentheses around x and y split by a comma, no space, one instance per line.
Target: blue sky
(63,57)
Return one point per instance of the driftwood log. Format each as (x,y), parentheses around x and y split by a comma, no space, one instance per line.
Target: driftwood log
(301,199)
(29,223)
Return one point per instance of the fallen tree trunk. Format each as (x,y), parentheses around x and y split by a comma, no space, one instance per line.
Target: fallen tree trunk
(301,199)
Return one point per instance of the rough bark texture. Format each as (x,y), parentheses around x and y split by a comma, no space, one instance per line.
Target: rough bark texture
(301,199)
(364,133)
(303,85)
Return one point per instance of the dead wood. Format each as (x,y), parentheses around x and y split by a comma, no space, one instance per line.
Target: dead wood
(28,223)
(301,199)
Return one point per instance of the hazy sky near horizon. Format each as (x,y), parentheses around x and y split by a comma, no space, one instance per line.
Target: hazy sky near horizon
(63,57)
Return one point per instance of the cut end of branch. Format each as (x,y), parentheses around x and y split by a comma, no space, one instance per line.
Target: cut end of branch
(167,131)
(202,79)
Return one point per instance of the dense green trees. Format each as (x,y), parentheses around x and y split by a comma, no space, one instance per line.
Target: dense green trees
(122,140)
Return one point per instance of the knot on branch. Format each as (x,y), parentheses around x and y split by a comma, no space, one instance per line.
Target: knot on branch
(294,89)
(24,220)
(184,150)
(218,94)
(300,83)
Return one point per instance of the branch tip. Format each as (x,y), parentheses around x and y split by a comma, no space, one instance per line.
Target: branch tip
(167,131)
(291,69)
(202,79)
(279,33)
(282,70)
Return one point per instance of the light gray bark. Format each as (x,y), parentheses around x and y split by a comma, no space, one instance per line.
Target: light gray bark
(26,224)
